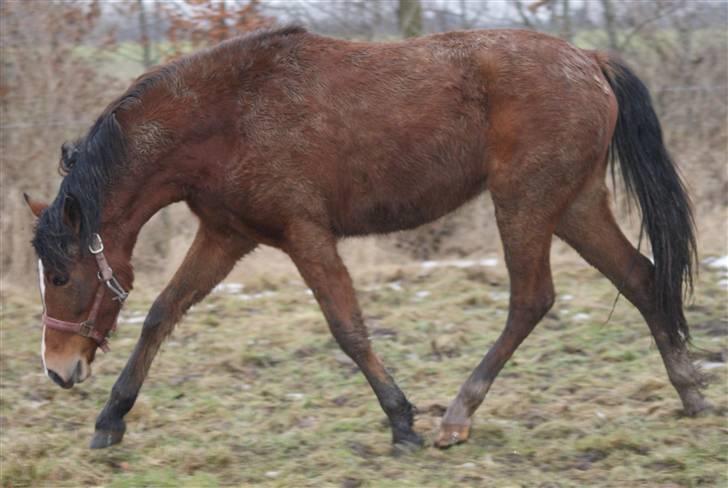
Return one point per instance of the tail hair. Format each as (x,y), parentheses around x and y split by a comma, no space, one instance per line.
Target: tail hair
(653,181)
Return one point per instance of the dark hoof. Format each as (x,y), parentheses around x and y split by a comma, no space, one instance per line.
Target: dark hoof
(106,438)
(406,442)
(700,410)
(404,448)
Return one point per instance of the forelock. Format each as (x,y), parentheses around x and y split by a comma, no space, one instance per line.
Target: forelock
(54,242)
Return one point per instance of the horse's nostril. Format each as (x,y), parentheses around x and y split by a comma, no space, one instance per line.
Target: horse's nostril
(54,376)
(77,372)
(58,380)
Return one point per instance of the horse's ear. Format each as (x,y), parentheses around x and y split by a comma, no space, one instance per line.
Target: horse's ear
(35,206)
(69,153)
(66,150)
(72,213)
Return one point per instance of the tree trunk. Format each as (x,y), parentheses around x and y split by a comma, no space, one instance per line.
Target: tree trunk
(610,20)
(376,18)
(221,20)
(410,18)
(144,35)
(566,32)
(464,24)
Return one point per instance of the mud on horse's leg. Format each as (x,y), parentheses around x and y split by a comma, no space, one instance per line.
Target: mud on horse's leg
(532,295)
(313,250)
(208,261)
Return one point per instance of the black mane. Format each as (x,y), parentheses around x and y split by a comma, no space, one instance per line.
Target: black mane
(95,160)
(89,165)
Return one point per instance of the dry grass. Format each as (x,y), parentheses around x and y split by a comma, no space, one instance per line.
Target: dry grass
(251,389)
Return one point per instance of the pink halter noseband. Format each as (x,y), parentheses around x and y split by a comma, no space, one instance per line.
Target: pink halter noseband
(86,328)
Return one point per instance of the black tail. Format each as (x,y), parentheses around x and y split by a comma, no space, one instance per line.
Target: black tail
(652,179)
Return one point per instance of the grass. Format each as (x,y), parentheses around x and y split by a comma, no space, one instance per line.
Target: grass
(251,389)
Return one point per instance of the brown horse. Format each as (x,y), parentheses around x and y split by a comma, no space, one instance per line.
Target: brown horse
(293,140)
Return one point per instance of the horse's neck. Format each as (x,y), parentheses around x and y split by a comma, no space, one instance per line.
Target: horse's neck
(156,179)
(130,203)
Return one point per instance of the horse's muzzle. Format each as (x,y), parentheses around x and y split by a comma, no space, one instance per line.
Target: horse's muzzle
(78,376)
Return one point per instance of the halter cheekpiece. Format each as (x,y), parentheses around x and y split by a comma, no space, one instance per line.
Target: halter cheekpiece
(87,327)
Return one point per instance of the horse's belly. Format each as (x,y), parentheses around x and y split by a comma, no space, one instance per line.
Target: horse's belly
(383,212)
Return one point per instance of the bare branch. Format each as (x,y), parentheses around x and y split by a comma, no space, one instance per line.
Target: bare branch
(661,13)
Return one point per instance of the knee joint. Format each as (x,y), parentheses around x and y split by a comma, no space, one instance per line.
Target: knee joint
(535,307)
(159,314)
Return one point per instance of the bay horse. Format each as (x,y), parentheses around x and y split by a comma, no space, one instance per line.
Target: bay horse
(294,140)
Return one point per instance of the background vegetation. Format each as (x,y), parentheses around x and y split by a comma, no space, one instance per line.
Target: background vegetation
(64,61)
(236,398)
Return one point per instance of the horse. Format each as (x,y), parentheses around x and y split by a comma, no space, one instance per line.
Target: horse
(294,140)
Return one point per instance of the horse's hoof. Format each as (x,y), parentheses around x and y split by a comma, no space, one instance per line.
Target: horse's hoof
(105,438)
(452,434)
(408,438)
(407,443)
(700,409)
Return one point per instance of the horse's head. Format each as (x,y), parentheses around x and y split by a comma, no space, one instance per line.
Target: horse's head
(80,293)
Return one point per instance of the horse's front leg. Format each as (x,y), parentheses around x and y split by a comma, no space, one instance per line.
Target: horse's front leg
(208,261)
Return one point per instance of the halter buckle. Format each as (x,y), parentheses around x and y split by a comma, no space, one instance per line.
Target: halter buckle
(96,239)
(85,328)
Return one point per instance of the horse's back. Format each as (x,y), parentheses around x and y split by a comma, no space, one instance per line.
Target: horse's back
(378,137)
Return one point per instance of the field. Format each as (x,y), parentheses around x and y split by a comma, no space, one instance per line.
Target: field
(251,389)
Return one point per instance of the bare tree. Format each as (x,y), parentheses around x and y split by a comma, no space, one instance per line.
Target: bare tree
(410,18)
(144,35)
(61,65)
(610,23)
(565,21)
(48,93)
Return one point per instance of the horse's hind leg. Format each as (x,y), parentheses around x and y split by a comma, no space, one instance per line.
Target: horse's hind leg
(590,228)
(526,231)
(313,250)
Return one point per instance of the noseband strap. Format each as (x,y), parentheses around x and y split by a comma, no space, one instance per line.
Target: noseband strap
(87,327)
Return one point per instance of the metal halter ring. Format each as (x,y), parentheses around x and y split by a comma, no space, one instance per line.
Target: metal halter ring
(99,248)
(116,288)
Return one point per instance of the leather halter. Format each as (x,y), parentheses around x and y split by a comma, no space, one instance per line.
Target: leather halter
(87,327)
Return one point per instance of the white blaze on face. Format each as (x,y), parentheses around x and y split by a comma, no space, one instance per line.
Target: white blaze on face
(41,286)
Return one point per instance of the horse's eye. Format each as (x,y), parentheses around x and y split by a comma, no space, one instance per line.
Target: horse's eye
(59,280)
